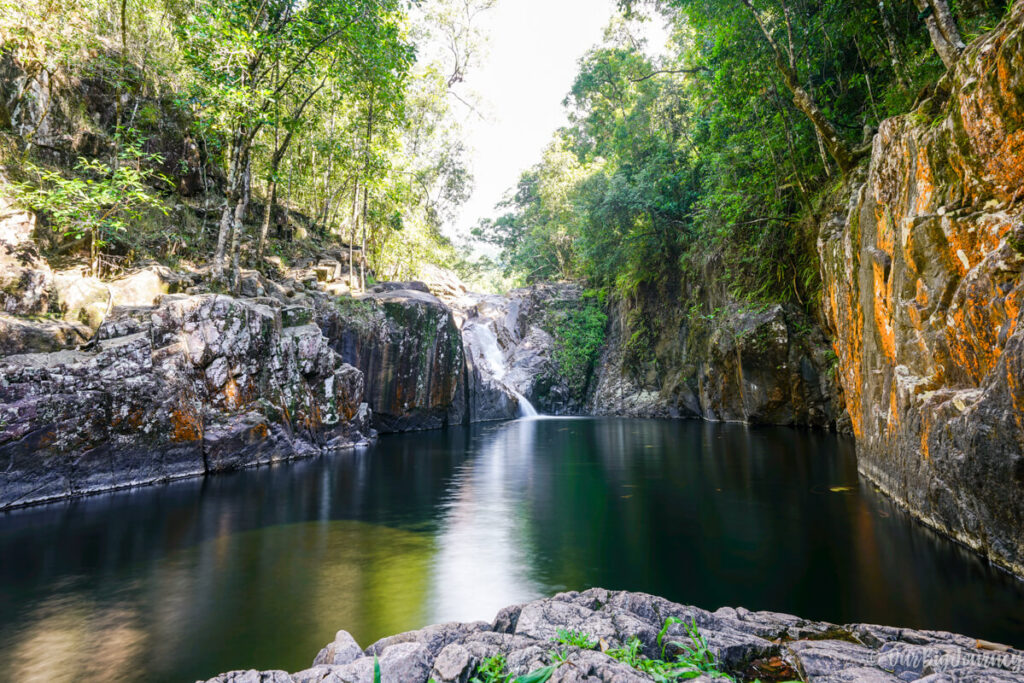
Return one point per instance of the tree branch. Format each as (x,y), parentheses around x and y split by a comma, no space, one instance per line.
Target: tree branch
(690,70)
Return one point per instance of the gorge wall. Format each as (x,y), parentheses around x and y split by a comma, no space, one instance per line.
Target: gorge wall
(753,364)
(924,278)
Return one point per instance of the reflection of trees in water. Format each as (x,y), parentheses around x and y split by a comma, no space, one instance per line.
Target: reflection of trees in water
(265,594)
(262,567)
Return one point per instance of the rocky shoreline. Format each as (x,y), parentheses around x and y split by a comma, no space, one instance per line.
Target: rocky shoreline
(765,646)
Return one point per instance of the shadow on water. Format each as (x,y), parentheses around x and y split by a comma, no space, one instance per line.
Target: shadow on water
(259,568)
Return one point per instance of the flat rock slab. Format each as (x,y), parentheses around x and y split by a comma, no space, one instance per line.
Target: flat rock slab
(745,645)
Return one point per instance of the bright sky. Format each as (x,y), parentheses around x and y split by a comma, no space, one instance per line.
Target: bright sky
(532,61)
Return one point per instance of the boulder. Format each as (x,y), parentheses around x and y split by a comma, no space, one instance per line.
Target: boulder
(81,298)
(25,277)
(88,300)
(443,283)
(18,336)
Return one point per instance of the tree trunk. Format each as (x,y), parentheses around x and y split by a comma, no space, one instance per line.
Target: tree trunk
(947,25)
(942,30)
(366,194)
(288,202)
(230,199)
(362,254)
(267,216)
(352,237)
(895,57)
(829,136)
(238,227)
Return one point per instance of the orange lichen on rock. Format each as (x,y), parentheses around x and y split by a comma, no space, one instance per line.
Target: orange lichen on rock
(186,426)
(980,325)
(883,312)
(990,140)
(259,432)
(844,316)
(893,418)
(231,394)
(925,185)
(926,430)
(133,419)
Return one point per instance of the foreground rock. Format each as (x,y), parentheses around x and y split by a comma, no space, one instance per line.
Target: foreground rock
(747,645)
(193,385)
(924,280)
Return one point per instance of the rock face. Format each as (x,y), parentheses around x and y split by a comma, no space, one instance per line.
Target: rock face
(193,385)
(409,349)
(770,365)
(924,280)
(747,645)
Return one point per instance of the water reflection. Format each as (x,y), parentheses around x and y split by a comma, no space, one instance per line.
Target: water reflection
(258,569)
(484,553)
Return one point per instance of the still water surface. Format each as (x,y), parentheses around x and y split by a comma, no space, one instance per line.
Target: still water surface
(259,568)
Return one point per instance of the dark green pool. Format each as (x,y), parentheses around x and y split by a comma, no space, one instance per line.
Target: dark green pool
(258,569)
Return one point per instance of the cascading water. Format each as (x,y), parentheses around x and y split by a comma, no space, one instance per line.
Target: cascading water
(490,352)
(526,408)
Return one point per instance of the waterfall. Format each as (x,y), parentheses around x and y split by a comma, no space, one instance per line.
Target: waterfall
(494,358)
(526,408)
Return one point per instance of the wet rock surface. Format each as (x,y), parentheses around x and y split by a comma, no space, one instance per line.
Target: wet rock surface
(193,385)
(924,278)
(746,645)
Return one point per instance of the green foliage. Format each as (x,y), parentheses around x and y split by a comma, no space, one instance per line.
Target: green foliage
(579,335)
(491,669)
(376,670)
(99,201)
(693,658)
(494,669)
(575,639)
(694,661)
(698,163)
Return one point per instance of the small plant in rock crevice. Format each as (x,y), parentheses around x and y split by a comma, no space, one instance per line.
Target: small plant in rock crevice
(693,657)
(575,639)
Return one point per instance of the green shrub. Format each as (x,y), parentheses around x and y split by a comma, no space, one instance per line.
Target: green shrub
(579,335)
(99,201)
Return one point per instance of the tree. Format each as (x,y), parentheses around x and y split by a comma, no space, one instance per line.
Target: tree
(942,30)
(247,55)
(785,62)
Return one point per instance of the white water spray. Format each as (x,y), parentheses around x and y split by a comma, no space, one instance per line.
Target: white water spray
(495,360)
